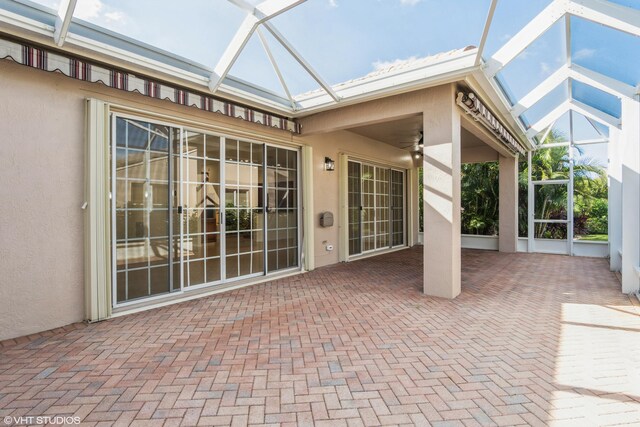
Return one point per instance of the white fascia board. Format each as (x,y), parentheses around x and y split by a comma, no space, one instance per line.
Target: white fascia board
(403,80)
(23,23)
(63,20)
(525,37)
(540,91)
(594,114)
(547,120)
(604,12)
(602,82)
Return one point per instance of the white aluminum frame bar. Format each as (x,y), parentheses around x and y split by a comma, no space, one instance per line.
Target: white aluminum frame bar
(594,113)
(256,16)
(485,32)
(540,91)
(276,69)
(618,17)
(525,37)
(547,120)
(300,59)
(63,20)
(601,82)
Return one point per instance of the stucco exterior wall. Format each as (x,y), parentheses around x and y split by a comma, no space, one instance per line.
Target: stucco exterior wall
(42,166)
(326,183)
(42,158)
(41,189)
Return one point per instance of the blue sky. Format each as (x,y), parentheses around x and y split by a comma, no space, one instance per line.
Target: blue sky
(345,39)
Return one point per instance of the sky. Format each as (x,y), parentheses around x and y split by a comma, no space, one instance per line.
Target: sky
(346,39)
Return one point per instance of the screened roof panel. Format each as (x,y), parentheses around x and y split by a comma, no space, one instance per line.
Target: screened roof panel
(196,30)
(347,39)
(550,101)
(596,98)
(561,128)
(634,4)
(254,66)
(537,62)
(509,18)
(583,129)
(343,40)
(606,51)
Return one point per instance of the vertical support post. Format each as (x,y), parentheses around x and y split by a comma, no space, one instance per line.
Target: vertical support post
(630,195)
(530,206)
(508,204)
(413,217)
(570,188)
(442,257)
(615,199)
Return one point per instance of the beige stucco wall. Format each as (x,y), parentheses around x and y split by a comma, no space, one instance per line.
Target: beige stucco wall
(326,183)
(42,123)
(41,186)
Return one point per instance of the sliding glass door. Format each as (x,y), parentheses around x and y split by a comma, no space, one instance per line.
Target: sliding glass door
(190,209)
(376,209)
(143,197)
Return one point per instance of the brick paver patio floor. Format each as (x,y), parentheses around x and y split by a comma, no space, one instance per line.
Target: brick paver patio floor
(532,340)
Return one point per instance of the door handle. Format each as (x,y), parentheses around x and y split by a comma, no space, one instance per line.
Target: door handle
(179,209)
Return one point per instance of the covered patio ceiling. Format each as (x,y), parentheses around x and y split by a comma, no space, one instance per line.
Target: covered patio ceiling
(544,59)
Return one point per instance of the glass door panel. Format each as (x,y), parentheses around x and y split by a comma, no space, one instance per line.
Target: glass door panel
(382,208)
(142,194)
(397,208)
(282,208)
(368,208)
(244,208)
(376,210)
(201,203)
(355,206)
(188,209)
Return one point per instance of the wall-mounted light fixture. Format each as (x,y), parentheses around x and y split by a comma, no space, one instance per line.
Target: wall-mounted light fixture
(329,164)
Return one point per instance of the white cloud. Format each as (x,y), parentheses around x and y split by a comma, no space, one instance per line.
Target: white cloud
(410,2)
(88,9)
(98,12)
(115,16)
(545,68)
(584,53)
(333,3)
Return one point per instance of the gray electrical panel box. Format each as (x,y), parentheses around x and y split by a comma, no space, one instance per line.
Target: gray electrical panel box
(326,219)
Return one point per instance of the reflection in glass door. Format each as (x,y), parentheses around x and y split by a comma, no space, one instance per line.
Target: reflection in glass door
(368,208)
(244,208)
(201,242)
(282,208)
(142,196)
(189,209)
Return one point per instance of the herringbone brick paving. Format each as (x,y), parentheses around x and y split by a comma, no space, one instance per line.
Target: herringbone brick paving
(532,340)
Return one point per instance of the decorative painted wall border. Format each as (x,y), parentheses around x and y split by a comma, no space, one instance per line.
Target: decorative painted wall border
(78,69)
